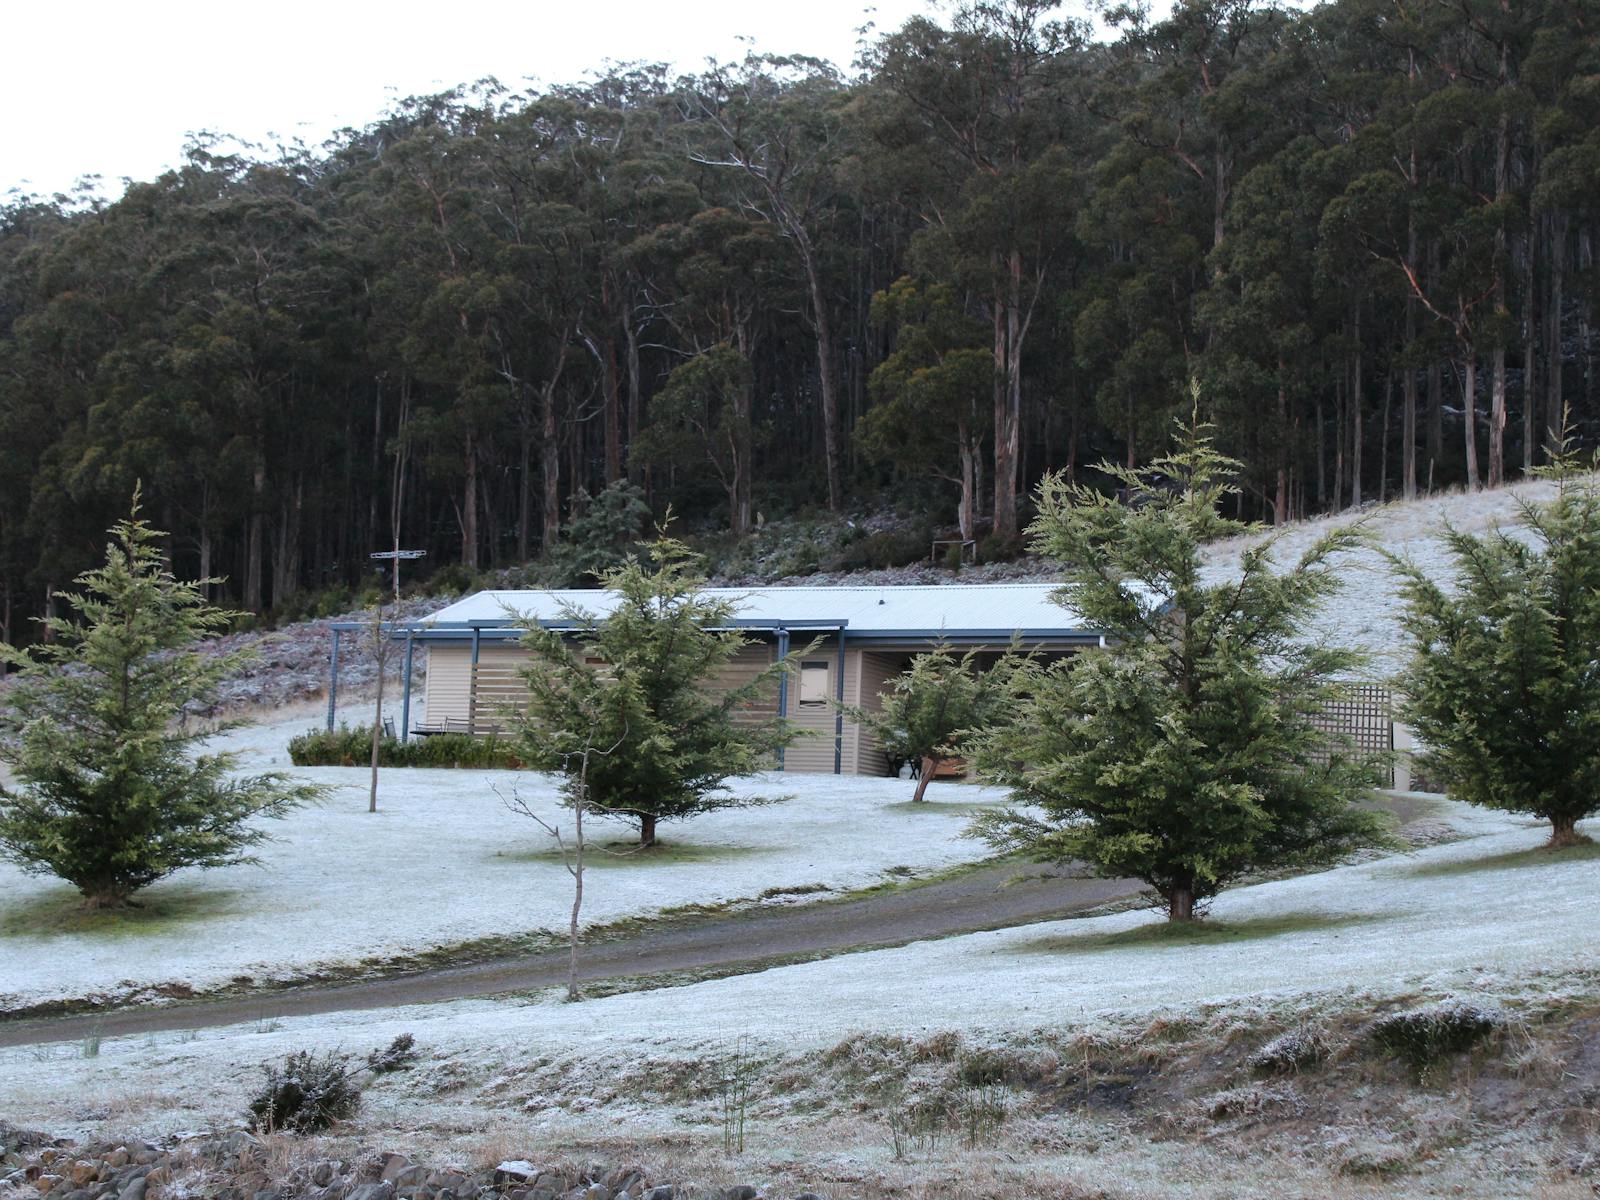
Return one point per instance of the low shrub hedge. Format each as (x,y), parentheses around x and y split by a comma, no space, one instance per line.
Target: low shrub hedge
(352,747)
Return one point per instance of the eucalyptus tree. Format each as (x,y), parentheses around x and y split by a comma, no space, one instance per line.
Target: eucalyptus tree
(780,123)
(728,267)
(440,281)
(931,390)
(974,138)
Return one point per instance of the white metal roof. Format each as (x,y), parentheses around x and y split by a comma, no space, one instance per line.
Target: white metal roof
(999,609)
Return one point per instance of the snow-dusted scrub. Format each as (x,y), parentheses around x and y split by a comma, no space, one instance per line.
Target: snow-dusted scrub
(1134,1103)
(444,862)
(1290,1053)
(1424,1035)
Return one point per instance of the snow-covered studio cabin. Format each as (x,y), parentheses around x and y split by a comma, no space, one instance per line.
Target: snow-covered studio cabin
(867,635)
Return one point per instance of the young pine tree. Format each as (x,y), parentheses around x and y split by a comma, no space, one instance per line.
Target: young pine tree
(112,796)
(643,683)
(931,712)
(1501,685)
(1183,753)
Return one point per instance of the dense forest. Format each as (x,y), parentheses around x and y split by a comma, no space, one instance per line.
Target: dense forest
(1004,244)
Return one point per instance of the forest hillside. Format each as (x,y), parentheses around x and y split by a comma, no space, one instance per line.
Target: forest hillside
(1003,243)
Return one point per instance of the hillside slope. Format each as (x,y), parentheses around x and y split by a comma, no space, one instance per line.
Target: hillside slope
(1364,616)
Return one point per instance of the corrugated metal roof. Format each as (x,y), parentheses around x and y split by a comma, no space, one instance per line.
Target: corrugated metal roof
(999,609)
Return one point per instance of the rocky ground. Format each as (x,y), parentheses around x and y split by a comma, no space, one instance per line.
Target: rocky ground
(242,1165)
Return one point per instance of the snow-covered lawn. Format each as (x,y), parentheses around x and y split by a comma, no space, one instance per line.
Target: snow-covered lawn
(1473,916)
(1363,615)
(444,862)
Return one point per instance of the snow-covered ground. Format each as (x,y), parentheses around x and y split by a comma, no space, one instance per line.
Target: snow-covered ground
(1363,614)
(443,862)
(1459,917)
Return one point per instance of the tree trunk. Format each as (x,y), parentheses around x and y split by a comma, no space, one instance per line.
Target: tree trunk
(1408,430)
(255,549)
(1435,421)
(611,398)
(969,454)
(1497,358)
(550,469)
(635,394)
(1530,351)
(573,929)
(930,767)
(1322,456)
(103,896)
(1497,418)
(1339,404)
(1555,412)
(1280,500)
(647,829)
(1010,329)
(1469,414)
(822,323)
(1408,392)
(469,504)
(1356,389)
(1180,903)
(1383,441)
(1564,832)
(741,515)
(525,489)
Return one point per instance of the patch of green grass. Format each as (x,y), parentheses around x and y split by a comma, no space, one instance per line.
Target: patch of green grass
(1180,934)
(1538,856)
(161,909)
(610,855)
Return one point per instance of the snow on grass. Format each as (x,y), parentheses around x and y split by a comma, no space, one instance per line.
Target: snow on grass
(1484,914)
(1363,615)
(444,862)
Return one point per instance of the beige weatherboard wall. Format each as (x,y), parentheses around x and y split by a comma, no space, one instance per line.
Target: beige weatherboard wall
(864,637)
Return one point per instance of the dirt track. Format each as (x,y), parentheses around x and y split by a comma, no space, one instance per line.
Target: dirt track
(987,898)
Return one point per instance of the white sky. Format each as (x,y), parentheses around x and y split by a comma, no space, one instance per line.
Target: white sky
(113,87)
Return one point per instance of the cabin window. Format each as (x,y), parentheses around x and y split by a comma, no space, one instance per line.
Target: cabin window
(814,680)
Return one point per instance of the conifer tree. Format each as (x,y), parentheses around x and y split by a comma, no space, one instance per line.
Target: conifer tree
(642,682)
(931,712)
(1500,687)
(112,796)
(1184,753)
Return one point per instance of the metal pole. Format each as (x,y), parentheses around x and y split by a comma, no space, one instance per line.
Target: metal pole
(472,683)
(333,680)
(783,685)
(405,703)
(838,718)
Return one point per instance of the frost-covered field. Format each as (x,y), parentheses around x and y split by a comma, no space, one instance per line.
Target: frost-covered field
(444,862)
(1363,614)
(1474,917)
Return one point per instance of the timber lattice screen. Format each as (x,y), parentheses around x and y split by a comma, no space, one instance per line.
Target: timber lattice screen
(497,692)
(1365,715)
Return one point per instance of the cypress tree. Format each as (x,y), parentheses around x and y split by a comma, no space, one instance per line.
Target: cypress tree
(1501,686)
(641,686)
(112,796)
(1185,753)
